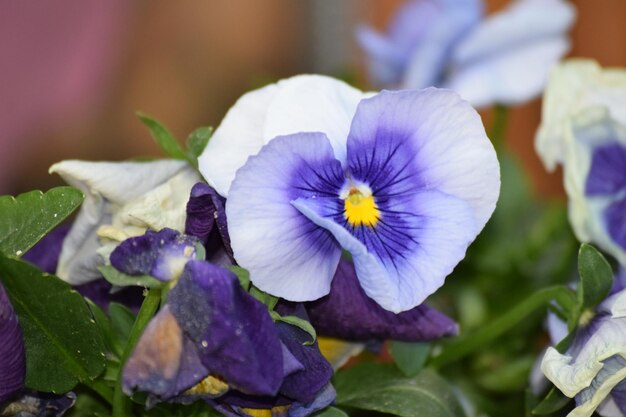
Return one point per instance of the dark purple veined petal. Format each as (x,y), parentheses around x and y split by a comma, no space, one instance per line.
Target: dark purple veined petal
(160,254)
(348,313)
(45,254)
(12,355)
(234,334)
(206,218)
(607,175)
(287,255)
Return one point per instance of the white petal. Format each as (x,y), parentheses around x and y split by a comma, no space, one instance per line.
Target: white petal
(238,136)
(105,184)
(313,103)
(575,87)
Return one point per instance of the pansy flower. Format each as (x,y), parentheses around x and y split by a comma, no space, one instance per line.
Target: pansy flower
(593,370)
(212,340)
(122,199)
(504,58)
(405,190)
(584,129)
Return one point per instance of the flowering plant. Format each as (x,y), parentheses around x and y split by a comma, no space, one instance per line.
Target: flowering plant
(333,252)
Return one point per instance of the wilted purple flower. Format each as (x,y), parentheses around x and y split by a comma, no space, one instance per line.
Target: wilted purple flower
(214,341)
(348,313)
(12,355)
(504,58)
(593,370)
(38,404)
(206,220)
(412,185)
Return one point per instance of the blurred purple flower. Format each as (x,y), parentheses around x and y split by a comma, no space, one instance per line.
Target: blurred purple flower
(504,58)
(38,404)
(348,313)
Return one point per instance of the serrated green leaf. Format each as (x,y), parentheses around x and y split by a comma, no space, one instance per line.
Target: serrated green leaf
(120,279)
(330,412)
(299,323)
(554,401)
(163,137)
(198,139)
(63,342)
(25,219)
(409,357)
(382,388)
(596,277)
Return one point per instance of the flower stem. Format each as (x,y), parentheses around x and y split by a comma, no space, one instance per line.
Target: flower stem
(121,403)
(465,345)
(498,127)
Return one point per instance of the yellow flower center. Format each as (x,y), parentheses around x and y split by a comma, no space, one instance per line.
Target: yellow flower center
(361,208)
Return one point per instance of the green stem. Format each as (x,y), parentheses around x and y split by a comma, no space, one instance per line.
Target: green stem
(102,389)
(465,345)
(498,128)
(121,403)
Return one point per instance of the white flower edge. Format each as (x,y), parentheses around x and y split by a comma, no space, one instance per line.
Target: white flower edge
(304,103)
(575,87)
(108,186)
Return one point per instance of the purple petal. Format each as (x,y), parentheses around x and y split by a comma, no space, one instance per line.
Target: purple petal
(287,255)
(205,212)
(304,385)
(348,313)
(99,291)
(160,254)
(234,334)
(45,254)
(614,218)
(12,356)
(163,363)
(607,174)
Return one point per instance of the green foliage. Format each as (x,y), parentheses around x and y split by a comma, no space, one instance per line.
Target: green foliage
(378,387)
(554,401)
(25,219)
(409,357)
(63,342)
(596,277)
(243,275)
(196,142)
(299,323)
(120,279)
(330,412)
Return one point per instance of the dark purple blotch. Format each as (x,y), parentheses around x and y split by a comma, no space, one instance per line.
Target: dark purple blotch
(45,253)
(348,313)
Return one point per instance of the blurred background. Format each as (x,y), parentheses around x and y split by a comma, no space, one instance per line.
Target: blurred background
(73,73)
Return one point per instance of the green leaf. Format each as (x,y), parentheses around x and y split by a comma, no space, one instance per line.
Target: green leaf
(299,323)
(409,357)
(269,300)
(509,376)
(198,139)
(596,277)
(163,137)
(63,342)
(378,387)
(120,279)
(25,219)
(330,412)
(554,401)
(243,275)
(106,329)
(122,320)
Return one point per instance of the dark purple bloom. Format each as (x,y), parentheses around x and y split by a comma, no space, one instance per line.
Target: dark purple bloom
(12,356)
(206,220)
(213,328)
(348,313)
(160,254)
(45,254)
(101,293)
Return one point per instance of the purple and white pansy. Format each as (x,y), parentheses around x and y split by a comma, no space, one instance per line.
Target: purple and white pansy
(503,58)
(402,180)
(593,370)
(584,129)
